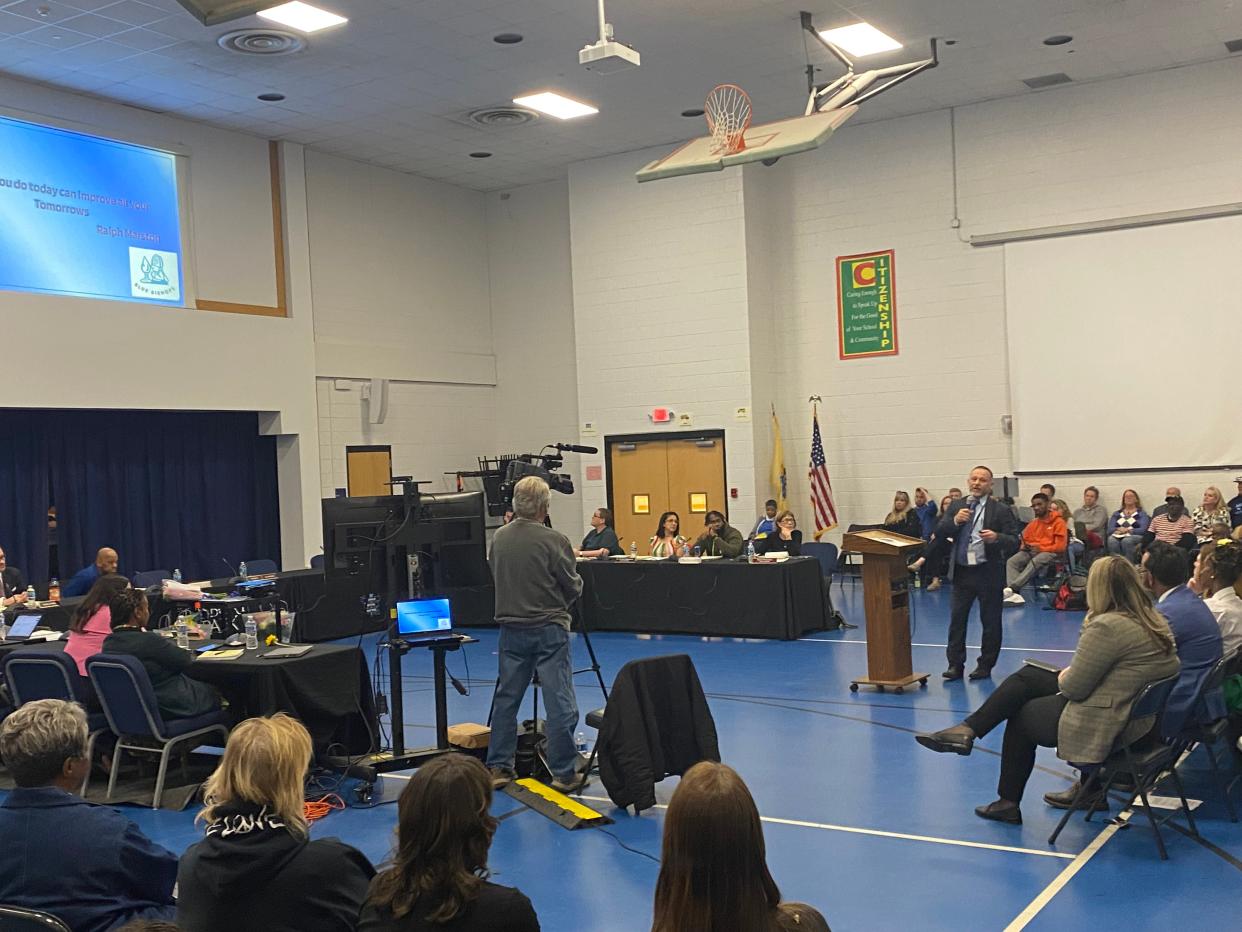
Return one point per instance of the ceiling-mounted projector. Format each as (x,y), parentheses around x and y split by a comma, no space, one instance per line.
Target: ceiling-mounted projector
(607,56)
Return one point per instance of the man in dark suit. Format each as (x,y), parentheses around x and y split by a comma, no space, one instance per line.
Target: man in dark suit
(985,534)
(12,583)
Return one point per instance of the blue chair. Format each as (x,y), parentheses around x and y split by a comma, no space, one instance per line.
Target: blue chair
(20,919)
(260,567)
(150,578)
(828,556)
(316,562)
(133,714)
(35,675)
(1145,762)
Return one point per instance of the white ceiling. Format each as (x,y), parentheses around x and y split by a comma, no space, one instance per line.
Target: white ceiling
(391,86)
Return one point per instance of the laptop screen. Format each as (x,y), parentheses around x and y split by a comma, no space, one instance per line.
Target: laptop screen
(23,625)
(423,616)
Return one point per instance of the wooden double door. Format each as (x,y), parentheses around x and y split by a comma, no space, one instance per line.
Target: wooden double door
(684,473)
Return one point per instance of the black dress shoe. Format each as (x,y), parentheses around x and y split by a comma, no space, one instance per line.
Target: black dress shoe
(981,673)
(953,673)
(1000,811)
(846,624)
(1065,800)
(950,740)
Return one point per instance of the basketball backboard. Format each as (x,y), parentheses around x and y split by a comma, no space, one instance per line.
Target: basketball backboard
(768,141)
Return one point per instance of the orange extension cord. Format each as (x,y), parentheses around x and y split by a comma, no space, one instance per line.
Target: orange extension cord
(318,808)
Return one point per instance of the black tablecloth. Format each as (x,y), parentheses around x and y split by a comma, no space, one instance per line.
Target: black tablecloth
(328,689)
(716,597)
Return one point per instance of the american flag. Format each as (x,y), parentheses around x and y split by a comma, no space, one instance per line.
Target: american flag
(821,485)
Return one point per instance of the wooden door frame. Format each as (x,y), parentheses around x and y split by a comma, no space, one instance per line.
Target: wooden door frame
(366,448)
(716,434)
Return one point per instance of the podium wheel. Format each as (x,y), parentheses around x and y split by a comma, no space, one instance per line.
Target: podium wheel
(853,687)
(899,690)
(923,681)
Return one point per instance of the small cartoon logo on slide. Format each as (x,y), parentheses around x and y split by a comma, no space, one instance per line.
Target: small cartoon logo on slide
(154,274)
(863,273)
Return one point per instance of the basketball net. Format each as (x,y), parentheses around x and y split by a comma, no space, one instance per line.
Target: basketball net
(727,110)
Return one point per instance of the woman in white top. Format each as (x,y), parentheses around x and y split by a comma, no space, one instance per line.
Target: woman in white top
(1218,579)
(1212,511)
(667,542)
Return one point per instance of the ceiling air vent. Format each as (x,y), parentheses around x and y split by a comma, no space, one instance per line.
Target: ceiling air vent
(501,116)
(261,42)
(1234,45)
(1047,80)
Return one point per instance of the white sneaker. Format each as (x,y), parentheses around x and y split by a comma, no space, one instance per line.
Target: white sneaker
(1014,599)
(1008,592)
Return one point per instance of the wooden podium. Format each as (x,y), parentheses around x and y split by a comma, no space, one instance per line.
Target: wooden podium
(886,598)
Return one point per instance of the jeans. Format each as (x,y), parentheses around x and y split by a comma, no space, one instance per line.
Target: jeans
(1030,705)
(523,652)
(1024,565)
(985,584)
(1127,546)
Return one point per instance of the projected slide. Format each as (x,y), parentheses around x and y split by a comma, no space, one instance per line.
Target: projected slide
(86,216)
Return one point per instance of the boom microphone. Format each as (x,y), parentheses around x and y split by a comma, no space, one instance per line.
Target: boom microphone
(575,448)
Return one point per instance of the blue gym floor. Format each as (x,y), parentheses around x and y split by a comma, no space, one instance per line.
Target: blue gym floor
(860,821)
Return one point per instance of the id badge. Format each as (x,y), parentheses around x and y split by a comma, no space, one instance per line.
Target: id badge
(972,559)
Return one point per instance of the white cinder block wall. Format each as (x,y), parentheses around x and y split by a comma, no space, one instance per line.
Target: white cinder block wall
(661,308)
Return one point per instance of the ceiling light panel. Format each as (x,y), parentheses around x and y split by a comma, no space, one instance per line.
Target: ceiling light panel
(302,16)
(861,39)
(557,105)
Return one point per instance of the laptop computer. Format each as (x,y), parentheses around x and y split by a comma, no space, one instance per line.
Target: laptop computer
(23,626)
(424,620)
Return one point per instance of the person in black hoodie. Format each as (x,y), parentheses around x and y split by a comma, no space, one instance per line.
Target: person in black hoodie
(438,878)
(257,867)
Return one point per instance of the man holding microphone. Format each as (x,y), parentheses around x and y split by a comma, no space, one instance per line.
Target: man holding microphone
(985,533)
(536,585)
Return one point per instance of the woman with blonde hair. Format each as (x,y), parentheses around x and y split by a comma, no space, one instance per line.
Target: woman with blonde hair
(1083,709)
(903,518)
(257,867)
(1212,511)
(713,873)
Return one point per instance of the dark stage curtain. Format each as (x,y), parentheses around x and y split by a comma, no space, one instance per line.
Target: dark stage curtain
(165,489)
(24,493)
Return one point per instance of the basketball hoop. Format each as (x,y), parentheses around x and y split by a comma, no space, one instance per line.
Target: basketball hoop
(727,109)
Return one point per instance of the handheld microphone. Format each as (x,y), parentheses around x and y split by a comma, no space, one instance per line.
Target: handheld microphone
(575,448)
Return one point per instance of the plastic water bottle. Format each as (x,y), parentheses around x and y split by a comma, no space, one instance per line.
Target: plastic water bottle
(252,633)
(177,575)
(580,743)
(182,628)
(53,590)
(633,550)
(30,594)
(4,626)
(750,551)
(241,569)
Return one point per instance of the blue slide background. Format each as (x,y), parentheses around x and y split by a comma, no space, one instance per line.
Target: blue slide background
(62,253)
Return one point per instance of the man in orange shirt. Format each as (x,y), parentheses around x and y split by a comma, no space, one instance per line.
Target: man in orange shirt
(1043,543)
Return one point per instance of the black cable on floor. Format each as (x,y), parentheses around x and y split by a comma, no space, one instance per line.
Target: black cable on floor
(630,848)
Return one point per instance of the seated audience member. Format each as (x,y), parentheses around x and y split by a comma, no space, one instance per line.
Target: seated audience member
(86,864)
(933,563)
(1127,526)
(81,581)
(1165,572)
(1235,505)
(12,584)
(92,621)
(1218,581)
(713,871)
(718,538)
(925,508)
(667,542)
(1212,511)
(786,537)
(1083,710)
(166,663)
(1173,526)
(507,517)
(1076,547)
(1171,492)
(767,521)
(256,867)
(1044,542)
(438,878)
(1048,489)
(903,519)
(601,540)
(1094,518)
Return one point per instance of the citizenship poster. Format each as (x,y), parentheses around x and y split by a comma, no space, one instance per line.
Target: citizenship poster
(89,217)
(866,305)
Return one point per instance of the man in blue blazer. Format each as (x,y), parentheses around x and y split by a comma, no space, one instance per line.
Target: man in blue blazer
(985,534)
(87,865)
(1199,645)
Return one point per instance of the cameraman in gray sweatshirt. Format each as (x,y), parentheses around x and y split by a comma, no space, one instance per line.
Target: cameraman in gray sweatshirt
(536,584)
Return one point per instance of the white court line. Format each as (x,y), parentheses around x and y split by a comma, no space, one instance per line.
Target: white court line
(880,834)
(1029,650)
(1045,897)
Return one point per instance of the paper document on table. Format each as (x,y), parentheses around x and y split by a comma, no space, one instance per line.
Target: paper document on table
(221,654)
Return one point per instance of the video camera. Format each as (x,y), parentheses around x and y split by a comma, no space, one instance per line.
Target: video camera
(543,465)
